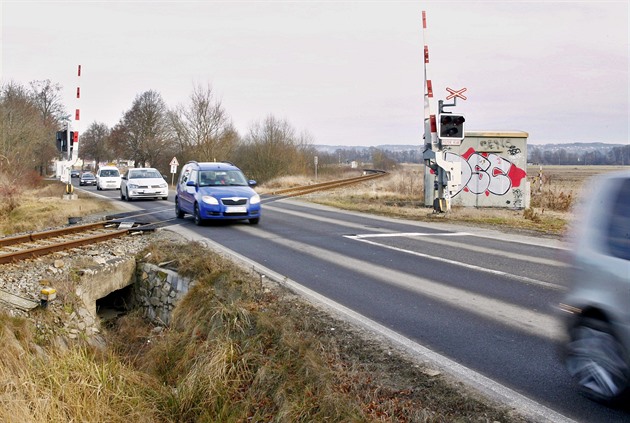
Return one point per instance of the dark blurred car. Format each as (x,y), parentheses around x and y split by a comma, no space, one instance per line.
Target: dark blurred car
(75,173)
(87,178)
(597,351)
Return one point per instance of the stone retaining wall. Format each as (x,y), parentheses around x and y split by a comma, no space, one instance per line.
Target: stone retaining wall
(157,291)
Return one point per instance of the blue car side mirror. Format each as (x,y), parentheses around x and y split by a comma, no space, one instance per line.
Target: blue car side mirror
(191,183)
(251,183)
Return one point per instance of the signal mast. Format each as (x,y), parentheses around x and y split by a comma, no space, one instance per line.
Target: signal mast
(67,141)
(445,130)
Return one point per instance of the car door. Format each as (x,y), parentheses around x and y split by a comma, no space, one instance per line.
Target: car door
(123,182)
(185,192)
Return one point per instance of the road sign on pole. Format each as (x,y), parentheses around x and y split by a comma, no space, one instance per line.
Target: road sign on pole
(456,93)
(174,163)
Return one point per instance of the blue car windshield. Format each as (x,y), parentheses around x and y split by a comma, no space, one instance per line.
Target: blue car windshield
(209,178)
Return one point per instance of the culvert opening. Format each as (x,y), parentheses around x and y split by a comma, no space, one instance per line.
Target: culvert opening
(114,305)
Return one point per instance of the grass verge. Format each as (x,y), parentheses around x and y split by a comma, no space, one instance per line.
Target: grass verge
(44,206)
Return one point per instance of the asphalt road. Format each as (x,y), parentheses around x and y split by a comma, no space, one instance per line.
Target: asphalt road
(484,301)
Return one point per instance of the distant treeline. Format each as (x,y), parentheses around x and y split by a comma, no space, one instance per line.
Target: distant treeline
(549,154)
(375,155)
(600,154)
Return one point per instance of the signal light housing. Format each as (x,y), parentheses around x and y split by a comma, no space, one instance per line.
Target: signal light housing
(62,141)
(451,126)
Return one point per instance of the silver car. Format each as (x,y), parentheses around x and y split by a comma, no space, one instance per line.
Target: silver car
(597,351)
(143,182)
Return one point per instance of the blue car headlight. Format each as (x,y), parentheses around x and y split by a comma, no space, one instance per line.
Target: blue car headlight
(208,199)
(254,199)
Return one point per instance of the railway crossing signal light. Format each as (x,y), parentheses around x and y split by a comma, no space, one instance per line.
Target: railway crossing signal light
(451,126)
(62,141)
(72,139)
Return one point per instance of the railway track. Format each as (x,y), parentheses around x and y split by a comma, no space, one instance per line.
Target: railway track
(306,189)
(37,244)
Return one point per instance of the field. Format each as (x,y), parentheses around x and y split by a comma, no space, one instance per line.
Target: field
(554,192)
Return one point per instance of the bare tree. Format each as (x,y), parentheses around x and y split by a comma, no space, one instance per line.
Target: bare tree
(144,134)
(47,98)
(21,131)
(203,129)
(272,149)
(94,143)
(381,161)
(45,95)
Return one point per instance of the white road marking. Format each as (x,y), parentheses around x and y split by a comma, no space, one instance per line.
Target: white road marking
(465,265)
(476,232)
(387,233)
(521,318)
(410,234)
(475,248)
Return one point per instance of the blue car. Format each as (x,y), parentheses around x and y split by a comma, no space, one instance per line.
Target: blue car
(216,191)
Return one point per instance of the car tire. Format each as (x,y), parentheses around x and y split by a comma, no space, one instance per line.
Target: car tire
(178,212)
(597,362)
(122,195)
(127,195)
(254,221)
(197,216)
(164,198)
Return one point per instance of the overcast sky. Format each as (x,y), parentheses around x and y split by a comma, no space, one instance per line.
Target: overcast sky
(347,73)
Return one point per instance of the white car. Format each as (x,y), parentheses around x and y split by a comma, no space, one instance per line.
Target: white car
(143,182)
(108,177)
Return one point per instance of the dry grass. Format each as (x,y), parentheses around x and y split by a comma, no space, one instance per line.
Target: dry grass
(61,385)
(43,206)
(401,194)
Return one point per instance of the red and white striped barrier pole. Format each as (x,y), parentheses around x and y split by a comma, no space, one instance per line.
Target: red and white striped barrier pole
(430,126)
(433,155)
(77,117)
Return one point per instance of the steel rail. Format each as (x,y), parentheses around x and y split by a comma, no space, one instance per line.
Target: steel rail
(65,245)
(59,245)
(306,189)
(36,236)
